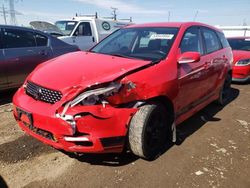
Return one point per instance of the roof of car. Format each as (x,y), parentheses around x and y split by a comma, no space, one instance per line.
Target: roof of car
(172,24)
(13,26)
(23,28)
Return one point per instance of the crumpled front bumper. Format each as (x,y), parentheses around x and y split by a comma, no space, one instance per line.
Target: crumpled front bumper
(99,129)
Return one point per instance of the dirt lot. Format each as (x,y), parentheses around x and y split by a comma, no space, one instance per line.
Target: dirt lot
(213,151)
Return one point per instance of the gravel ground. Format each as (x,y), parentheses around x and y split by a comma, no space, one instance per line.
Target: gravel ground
(213,151)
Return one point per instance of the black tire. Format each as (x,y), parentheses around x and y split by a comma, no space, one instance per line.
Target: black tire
(225,91)
(149,131)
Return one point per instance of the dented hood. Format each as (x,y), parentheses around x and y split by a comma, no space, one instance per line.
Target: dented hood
(82,69)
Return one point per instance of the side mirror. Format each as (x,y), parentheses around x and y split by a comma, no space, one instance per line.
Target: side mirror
(189,57)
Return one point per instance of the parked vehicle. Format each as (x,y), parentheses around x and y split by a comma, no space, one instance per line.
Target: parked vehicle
(241,63)
(84,31)
(133,87)
(22,49)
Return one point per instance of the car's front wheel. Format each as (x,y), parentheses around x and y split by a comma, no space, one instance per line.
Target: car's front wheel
(149,131)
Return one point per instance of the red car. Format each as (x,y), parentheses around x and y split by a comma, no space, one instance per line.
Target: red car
(241,53)
(130,90)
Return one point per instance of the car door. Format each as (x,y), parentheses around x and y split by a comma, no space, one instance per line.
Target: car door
(83,36)
(192,77)
(43,49)
(215,57)
(3,76)
(21,54)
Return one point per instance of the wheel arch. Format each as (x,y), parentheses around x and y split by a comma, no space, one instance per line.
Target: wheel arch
(230,72)
(167,103)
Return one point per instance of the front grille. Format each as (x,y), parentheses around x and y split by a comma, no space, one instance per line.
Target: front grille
(43,94)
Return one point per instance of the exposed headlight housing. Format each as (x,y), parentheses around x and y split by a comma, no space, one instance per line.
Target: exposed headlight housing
(94,96)
(90,97)
(243,62)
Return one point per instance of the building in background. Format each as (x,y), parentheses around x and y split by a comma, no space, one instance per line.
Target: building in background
(235,31)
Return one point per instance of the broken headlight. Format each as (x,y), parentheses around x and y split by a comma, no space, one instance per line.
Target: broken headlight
(243,62)
(95,96)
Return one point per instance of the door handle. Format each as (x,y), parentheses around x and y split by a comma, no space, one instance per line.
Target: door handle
(43,53)
(30,51)
(93,39)
(207,65)
(196,76)
(224,57)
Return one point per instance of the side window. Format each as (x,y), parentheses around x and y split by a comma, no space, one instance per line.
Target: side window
(223,40)
(41,40)
(1,39)
(83,29)
(191,41)
(14,38)
(212,42)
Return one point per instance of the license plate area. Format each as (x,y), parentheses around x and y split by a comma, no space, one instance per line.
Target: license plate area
(27,119)
(24,116)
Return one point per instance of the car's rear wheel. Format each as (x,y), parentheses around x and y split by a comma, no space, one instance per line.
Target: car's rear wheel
(225,91)
(149,131)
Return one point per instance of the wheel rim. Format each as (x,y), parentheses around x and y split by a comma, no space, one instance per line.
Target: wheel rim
(155,133)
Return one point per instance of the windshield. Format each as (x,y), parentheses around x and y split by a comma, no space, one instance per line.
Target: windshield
(66,26)
(141,43)
(240,44)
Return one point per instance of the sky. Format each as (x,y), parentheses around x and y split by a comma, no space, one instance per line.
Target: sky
(213,12)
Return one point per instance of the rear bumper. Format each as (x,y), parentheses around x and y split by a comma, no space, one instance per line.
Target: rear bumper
(241,73)
(98,129)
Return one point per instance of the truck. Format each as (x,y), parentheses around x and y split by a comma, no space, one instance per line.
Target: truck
(82,30)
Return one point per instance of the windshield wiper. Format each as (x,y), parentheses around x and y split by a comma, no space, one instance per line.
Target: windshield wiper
(121,55)
(156,61)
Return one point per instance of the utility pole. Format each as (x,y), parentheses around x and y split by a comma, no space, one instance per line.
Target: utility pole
(168,16)
(12,12)
(196,14)
(244,22)
(3,11)
(114,10)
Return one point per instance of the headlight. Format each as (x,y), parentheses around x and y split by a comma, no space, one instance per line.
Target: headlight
(243,62)
(94,96)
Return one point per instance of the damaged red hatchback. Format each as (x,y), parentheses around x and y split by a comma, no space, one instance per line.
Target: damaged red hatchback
(129,91)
